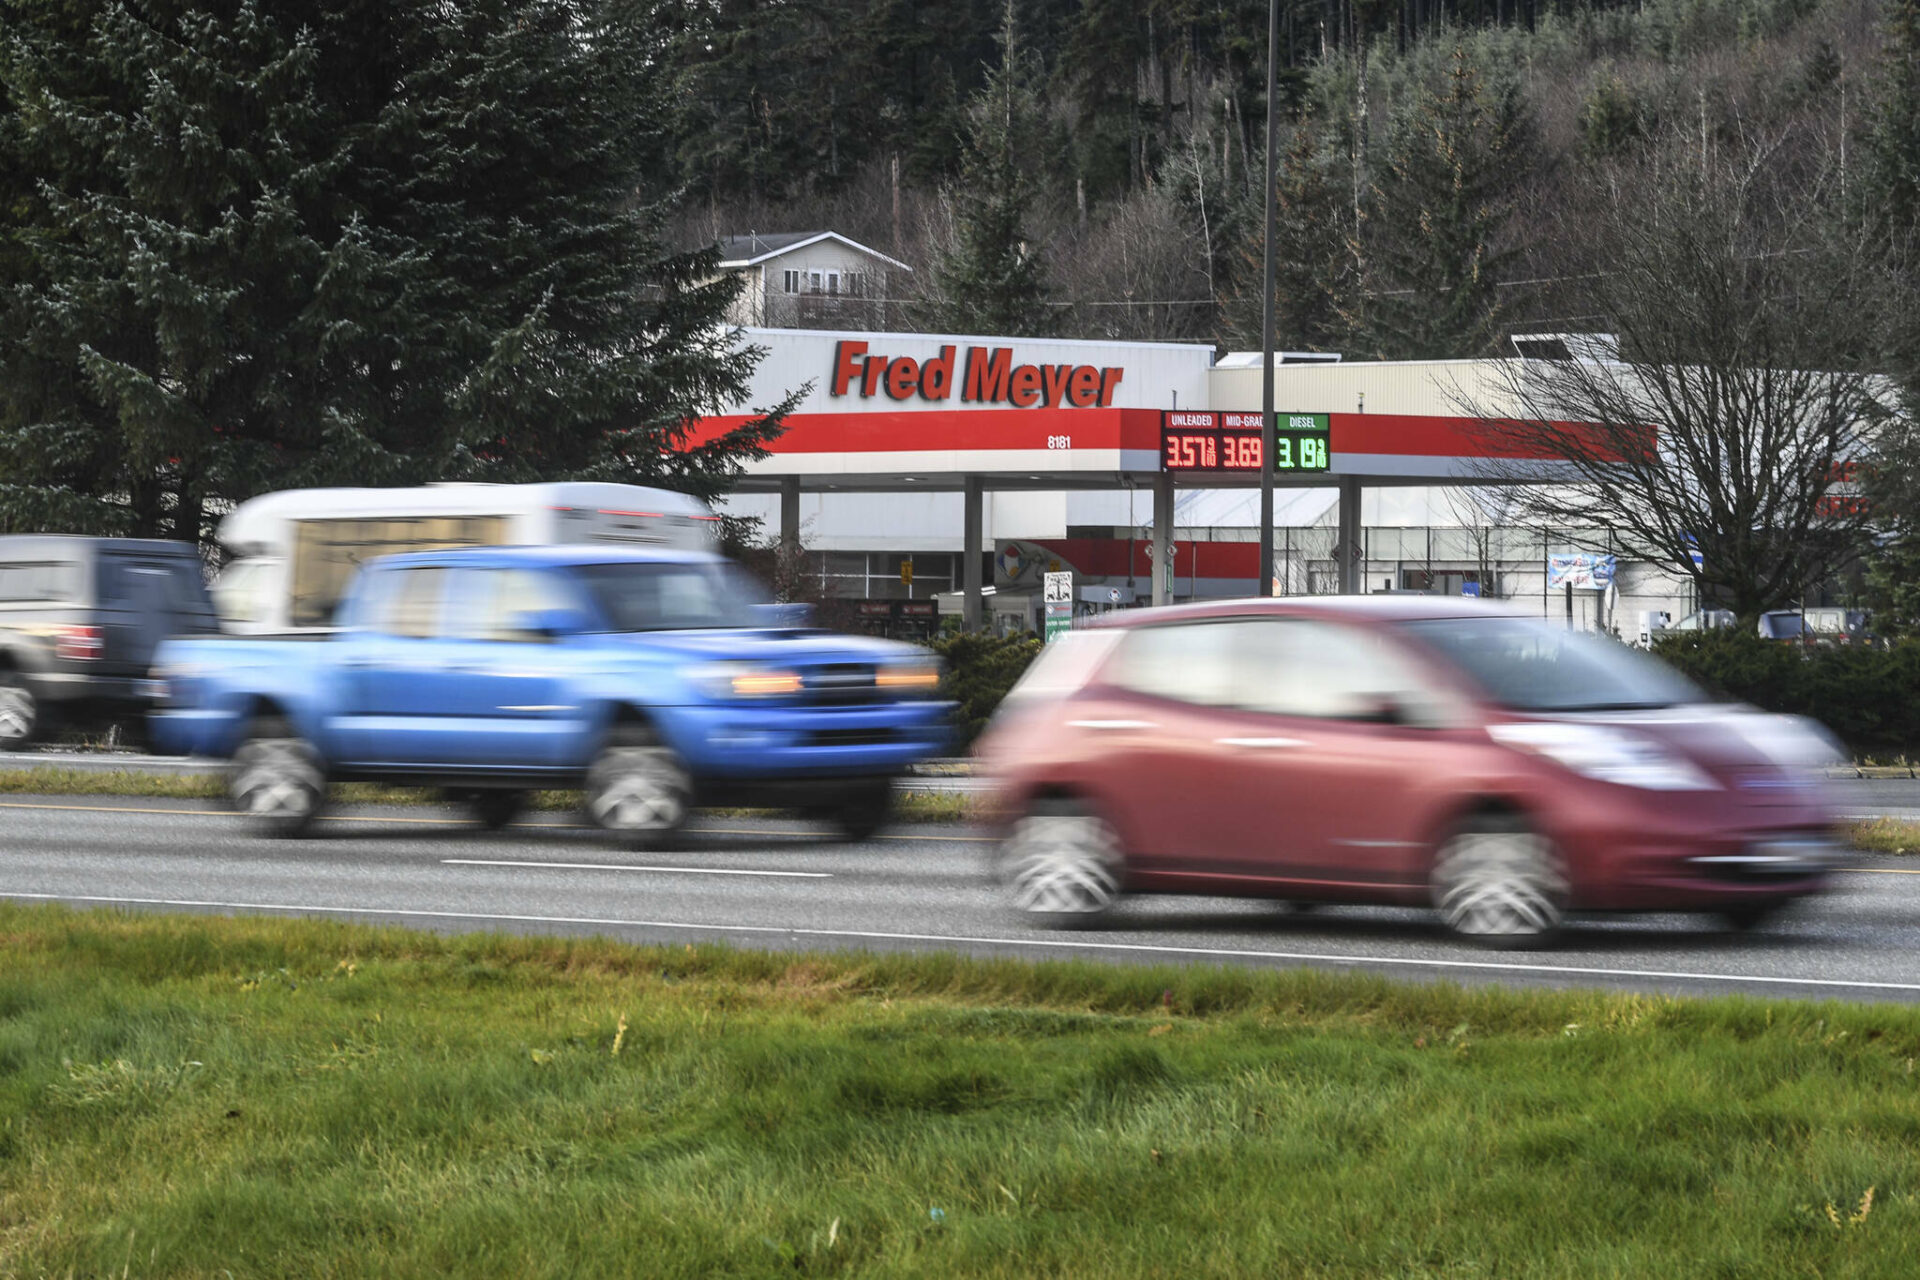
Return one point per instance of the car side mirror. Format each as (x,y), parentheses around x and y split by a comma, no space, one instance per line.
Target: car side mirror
(551,624)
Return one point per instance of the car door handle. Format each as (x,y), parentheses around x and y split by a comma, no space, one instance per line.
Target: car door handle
(1110,724)
(1266,744)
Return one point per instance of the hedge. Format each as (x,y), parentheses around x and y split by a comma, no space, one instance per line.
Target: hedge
(980,670)
(1869,695)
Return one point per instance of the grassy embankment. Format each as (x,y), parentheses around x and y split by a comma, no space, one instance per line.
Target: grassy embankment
(186,1096)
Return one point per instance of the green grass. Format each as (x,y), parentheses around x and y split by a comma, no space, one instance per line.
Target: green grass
(47,780)
(1884,835)
(185,1096)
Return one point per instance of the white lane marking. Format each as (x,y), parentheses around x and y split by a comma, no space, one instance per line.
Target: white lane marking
(1043,943)
(608,866)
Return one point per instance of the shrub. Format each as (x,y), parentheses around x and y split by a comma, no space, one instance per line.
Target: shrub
(980,670)
(1869,695)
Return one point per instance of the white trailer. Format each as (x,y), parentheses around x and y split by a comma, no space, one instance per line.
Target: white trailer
(294,551)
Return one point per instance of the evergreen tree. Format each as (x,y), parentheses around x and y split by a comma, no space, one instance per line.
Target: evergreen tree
(1434,227)
(1315,257)
(989,278)
(1891,170)
(276,244)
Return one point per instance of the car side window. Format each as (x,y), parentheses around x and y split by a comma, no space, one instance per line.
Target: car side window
(1188,662)
(490,604)
(1305,667)
(410,603)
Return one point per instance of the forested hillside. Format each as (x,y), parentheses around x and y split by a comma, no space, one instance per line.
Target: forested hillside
(1449,173)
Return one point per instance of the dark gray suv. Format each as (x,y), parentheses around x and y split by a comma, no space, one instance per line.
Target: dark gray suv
(79,621)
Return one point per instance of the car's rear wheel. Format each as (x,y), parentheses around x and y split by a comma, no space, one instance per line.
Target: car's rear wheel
(1500,883)
(19,712)
(1062,865)
(494,809)
(863,814)
(1747,917)
(277,779)
(638,789)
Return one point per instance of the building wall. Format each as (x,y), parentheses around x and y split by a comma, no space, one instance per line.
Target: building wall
(863,298)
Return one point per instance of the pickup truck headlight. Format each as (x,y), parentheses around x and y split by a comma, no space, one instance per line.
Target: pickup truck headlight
(910,676)
(743,680)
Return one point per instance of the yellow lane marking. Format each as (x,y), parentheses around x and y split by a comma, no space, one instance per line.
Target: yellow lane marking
(450,822)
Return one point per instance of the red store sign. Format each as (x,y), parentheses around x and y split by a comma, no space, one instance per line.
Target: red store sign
(986,375)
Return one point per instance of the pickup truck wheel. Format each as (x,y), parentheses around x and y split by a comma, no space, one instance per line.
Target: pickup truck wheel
(277,779)
(496,809)
(863,814)
(638,789)
(19,712)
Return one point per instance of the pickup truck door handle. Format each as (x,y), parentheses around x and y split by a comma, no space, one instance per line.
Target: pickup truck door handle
(1262,744)
(1110,725)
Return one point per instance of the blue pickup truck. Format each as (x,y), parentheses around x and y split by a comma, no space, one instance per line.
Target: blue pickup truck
(653,680)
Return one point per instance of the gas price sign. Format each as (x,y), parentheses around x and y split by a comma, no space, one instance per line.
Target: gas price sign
(1300,442)
(1193,440)
(1203,441)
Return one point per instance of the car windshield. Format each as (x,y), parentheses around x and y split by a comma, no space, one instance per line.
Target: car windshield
(1529,666)
(673,597)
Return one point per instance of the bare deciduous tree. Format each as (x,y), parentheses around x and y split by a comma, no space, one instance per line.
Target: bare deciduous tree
(1741,394)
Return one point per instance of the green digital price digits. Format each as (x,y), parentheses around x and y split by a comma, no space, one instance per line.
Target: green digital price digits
(1300,442)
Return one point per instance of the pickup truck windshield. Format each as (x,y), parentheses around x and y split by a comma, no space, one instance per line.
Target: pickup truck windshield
(673,597)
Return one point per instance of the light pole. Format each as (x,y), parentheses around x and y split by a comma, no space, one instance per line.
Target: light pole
(1266,319)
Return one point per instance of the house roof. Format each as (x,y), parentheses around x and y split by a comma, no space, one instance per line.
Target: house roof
(752,250)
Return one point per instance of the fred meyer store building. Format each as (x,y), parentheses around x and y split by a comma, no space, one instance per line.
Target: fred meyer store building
(929,474)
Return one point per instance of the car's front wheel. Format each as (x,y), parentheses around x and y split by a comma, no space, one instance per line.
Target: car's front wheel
(1061,864)
(1500,883)
(638,789)
(19,712)
(277,779)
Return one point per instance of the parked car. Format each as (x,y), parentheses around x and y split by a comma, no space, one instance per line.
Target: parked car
(80,619)
(1409,750)
(655,680)
(1822,625)
(1703,620)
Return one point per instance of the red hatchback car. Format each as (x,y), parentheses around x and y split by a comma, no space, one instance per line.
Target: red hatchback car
(1394,749)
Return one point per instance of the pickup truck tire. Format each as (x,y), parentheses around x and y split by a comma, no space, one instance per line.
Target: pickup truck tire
(638,789)
(862,815)
(19,712)
(277,779)
(495,809)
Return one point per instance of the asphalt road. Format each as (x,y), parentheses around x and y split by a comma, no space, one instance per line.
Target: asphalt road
(782,885)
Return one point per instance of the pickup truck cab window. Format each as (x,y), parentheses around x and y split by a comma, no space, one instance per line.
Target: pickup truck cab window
(408,603)
(666,596)
(492,604)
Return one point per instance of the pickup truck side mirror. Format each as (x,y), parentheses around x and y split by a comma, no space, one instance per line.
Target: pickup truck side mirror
(783,615)
(551,624)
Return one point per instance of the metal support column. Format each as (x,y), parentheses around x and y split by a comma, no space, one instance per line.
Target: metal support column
(1265,585)
(1163,538)
(790,514)
(972,611)
(1349,554)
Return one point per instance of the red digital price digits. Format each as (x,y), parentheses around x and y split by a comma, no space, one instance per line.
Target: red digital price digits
(1212,451)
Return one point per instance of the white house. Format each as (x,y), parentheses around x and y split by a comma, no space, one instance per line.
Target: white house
(811,280)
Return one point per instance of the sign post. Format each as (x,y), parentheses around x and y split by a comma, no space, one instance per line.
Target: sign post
(1056,596)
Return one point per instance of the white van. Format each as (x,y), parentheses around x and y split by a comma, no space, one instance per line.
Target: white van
(295,551)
